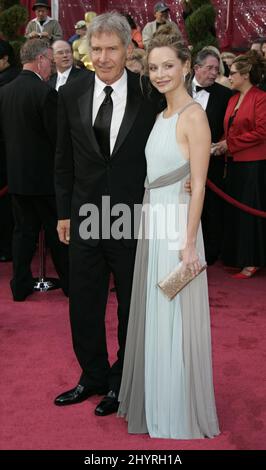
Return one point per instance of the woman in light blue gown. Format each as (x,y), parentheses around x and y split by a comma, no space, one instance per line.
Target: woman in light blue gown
(167,386)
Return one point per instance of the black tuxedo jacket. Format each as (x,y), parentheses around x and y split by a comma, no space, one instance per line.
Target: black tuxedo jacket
(6,76)
(216,107)
(75,72)
(28,108)
(83,175)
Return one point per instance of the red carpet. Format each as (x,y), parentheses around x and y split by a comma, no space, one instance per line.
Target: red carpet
(37,363)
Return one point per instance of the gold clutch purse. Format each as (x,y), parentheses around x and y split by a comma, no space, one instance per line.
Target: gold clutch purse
(177,280)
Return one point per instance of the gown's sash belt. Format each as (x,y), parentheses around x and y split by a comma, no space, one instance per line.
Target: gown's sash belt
(166,180)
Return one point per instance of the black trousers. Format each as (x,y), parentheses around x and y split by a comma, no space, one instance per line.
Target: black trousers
(213,211)
(90,268)
(245,234)
(6,226)
(30,213)
(6,216)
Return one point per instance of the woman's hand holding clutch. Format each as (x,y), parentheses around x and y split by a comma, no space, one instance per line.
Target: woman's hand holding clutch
(190,260)
(185,271)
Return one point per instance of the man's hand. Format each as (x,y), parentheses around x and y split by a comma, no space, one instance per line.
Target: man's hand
(220,148)
(34,34)
(63,229)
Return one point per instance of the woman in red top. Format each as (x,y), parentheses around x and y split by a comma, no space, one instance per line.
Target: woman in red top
(245,132)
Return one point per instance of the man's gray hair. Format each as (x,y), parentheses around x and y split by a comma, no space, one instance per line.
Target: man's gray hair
(32,48)
(203,55)
(111,22)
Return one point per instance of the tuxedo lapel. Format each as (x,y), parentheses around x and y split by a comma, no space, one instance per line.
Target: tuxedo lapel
(72,73)
(211,100)
(132,108)
(85,103)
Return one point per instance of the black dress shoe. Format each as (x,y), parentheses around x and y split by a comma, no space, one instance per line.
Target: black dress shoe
(20,293)
(76,395)
(108,405)
(22,297)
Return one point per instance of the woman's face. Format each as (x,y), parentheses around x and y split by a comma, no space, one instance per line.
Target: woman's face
(236,79)
(166,71)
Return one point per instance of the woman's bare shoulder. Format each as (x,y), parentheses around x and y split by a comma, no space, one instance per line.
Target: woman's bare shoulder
(195,113)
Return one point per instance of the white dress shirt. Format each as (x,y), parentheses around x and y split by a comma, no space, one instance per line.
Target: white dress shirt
(201,96)
(39,26)
(62,78)
(119,97)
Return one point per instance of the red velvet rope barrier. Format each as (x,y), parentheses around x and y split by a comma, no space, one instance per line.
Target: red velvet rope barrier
(214,188)
(3,191)
(234,202)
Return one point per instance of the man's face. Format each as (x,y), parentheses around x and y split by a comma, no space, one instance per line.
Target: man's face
(63,57)
(228,61)
(4,63)
(41,13)
(256,47)
(108,56)
(207,73)
(134,65)
(161,16)
(81,31)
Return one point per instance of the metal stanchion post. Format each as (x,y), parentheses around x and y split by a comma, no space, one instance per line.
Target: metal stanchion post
(43,283)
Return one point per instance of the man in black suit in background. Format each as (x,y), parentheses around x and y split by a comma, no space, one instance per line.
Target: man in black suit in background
(65,70)
(95,160)
(214,98)
(8,72)
(28,108)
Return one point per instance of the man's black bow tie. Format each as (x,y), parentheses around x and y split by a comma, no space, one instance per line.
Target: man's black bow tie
(207,88)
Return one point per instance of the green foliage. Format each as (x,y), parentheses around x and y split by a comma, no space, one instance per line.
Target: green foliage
(11,20)
(16,46)
(5,4)
(209,40)
(200,25)
(195,4)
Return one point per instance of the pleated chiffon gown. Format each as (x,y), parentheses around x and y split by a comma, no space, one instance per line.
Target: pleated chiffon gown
(167,384)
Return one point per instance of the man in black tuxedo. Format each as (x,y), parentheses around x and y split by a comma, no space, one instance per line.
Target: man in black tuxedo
(8,72)
(65,70)
(214,98)
(28,108)
(100,153)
